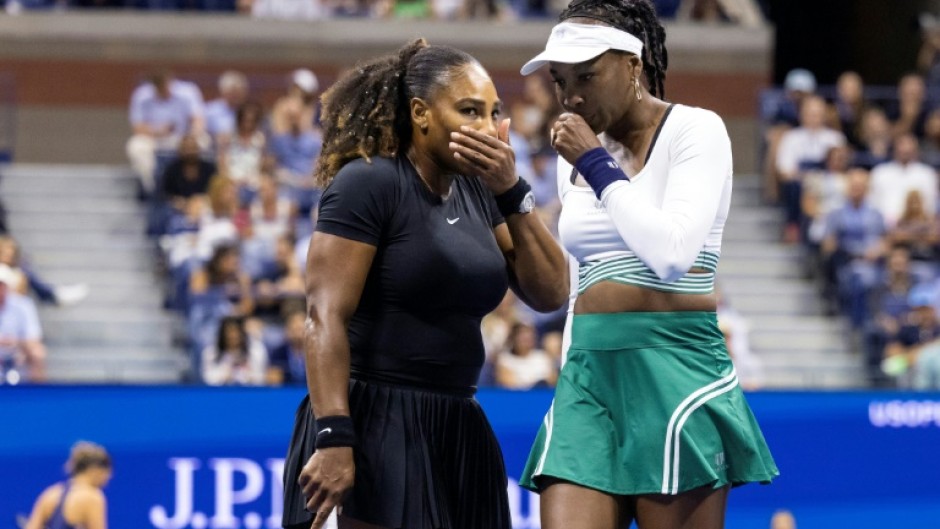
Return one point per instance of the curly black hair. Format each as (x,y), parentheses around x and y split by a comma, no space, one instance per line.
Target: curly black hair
(637,17)
(367,111)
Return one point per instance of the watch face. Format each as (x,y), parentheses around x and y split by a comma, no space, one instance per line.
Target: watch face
(528,203)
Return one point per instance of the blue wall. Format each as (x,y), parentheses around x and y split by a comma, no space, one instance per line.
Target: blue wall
(209,458)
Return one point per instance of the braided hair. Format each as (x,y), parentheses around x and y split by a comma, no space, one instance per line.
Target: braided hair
(367,112)
(637,17)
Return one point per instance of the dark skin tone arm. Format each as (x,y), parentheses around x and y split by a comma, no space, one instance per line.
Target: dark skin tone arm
(336,274)
(537,266)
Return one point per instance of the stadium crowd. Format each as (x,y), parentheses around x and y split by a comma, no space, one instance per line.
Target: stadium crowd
(855,170)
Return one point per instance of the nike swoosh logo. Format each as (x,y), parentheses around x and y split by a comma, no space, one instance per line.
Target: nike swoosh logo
(325,430)
(451,221)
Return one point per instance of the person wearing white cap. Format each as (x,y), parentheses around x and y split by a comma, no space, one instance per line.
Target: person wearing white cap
(20,332)
(648,422)
(302,89)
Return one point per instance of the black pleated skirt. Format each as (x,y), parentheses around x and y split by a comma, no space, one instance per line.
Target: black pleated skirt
(426,460)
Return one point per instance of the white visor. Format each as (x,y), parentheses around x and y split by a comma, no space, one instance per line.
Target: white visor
(572,43)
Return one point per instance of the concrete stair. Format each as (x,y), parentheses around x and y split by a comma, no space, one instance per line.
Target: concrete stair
(796,343)
(83,224)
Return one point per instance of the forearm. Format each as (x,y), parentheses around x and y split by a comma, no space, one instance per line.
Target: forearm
(327,366)
(537,262)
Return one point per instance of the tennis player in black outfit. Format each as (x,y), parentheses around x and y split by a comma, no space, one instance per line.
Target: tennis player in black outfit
(422,227)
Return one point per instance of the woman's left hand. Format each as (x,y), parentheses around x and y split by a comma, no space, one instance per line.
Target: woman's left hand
(490,159)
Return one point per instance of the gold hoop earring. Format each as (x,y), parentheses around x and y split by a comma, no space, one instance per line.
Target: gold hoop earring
(636,89)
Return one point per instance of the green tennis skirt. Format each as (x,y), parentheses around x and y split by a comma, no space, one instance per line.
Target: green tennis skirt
(648,403)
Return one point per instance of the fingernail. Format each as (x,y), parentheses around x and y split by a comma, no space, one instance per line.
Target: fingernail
(455,135)
(452,145)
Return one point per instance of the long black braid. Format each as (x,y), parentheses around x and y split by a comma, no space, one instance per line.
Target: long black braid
(637,17)
(367,111)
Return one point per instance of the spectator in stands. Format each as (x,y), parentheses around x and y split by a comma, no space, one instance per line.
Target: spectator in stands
(740,12)
(532,113)
(521,365)
(241,155)
(919,328)
(919,231)
(162,110)
(803,148)
(737,335)
(223,278)
(785,115)
(295,152)
(222,223)
(928,58)
(852,247)
(219,289)
(927,367)
(888,306)
(220,112)
(271,217)
(930,144)
(29,281)
(876,138)
(849,104)
(280,280)
(286,9)
(495,328)
(301,93)
(824,192)
(287,363)
(892,181)
(545,187)
(237,358)
(909,113)
(20,332)
(188,175)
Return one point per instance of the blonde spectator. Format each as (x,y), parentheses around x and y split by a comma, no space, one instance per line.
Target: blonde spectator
(917,229)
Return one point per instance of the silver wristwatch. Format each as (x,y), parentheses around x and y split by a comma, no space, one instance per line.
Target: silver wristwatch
(528,203)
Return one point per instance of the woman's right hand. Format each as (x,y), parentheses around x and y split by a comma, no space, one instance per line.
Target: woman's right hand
(326,478)
(571,136)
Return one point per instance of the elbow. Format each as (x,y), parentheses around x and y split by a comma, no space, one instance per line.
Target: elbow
(552,299)
(670,269)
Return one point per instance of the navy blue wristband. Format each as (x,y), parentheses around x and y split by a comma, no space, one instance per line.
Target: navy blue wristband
(600,170)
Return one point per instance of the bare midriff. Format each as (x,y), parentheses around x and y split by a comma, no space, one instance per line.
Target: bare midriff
(608,296)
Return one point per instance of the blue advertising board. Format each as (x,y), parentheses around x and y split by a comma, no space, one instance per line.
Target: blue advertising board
(212,458)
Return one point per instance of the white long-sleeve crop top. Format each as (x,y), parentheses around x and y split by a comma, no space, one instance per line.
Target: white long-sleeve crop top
(668,218)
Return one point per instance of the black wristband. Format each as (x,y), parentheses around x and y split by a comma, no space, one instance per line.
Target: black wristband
(335,430)
(509,202)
